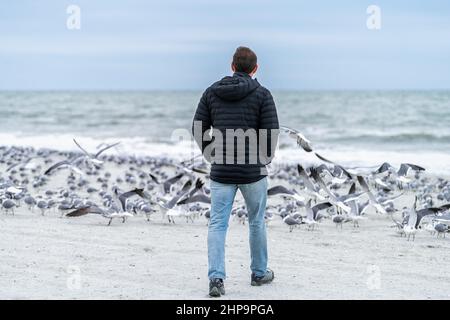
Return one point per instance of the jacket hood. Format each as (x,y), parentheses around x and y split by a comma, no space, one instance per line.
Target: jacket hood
(235,87)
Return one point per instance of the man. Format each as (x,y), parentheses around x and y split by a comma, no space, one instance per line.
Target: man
(237,108)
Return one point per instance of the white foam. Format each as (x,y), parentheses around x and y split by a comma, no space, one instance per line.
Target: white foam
(434,162)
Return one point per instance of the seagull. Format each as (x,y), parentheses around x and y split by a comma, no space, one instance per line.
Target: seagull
(9,206)
(201,197)
(167,185)
(405,167)
(337,175)
(356,212)
(441,229)
(291,222)
(309,186)
(332,198)
(414,219)
(372,198)
(281,190)
(106,213)
(338,219)
(300,138)
(66,164)
(123,197)
(337,166)
(94,157)
(43,205)
(312,213)
(194,195)
(385,167)
(114,211)
(169,207)
(401,174)
(30,202)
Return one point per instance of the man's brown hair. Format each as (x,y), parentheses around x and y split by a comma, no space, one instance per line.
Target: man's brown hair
(244,60)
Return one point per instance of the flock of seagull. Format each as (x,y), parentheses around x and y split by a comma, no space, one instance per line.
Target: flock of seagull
(144,186)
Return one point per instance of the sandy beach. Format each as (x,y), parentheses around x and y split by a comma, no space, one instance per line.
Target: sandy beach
(106,154)
(48,257)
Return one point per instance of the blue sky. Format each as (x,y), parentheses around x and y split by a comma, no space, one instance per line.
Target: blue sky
(179,44)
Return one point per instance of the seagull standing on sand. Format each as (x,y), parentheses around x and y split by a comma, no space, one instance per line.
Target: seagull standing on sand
(291,222)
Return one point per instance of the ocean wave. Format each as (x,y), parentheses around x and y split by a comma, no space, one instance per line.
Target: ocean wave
(391,138)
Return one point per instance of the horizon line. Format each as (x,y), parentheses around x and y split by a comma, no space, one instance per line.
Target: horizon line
(202,89)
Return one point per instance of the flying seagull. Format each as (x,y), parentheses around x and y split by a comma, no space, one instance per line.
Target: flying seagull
(167,185)
(106,213)
(94,157)
(115,211)
(66,164)
(414,219)
(281,190)
(372,198)
(332,198)
(313,212)
(300,138)
(309,185)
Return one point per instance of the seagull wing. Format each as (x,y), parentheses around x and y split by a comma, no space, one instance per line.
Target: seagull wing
(154,178)
(56,166)
(81,148)
(321,183)
(404,168)
(383,168)
(170,181)
(278,190)
(198,185)
(85,210)
(365,187)
(181,194)
(308,183)
(348,174)
(124,196)
(196,198)
(324,187)
(422,213)
(352,188)
(302,141)
(320,206)
(106,148)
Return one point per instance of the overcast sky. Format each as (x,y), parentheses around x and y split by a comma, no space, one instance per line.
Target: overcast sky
(179,44)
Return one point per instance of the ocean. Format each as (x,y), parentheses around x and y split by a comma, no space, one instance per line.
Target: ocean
(353,128)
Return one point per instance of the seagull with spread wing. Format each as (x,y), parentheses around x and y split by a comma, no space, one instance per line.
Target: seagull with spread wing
(283,191)
(117,210)
(94,157)
(312,213)
(300,138)
(414,218)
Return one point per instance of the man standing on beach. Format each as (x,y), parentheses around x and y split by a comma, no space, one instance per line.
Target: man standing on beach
(244,135)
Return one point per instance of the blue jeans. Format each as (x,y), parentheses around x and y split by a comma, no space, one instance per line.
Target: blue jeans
(222,198)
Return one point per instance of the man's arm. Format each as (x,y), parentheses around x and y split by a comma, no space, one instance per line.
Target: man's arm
(268,120)
(201,123)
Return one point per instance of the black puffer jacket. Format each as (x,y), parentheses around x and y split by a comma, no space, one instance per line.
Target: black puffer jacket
(237,102)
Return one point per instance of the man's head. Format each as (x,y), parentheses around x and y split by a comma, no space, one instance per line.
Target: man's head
(244,60)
